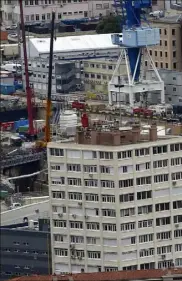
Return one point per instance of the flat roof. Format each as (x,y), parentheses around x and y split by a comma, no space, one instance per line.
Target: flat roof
(74,43)
(169,19)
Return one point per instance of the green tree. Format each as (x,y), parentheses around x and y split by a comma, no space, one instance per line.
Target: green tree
(110,24)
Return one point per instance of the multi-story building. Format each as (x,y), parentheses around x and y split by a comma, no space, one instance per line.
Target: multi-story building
(173,85)
(98,72)
(116,200)
(40,10)
(168,55)
(25,250)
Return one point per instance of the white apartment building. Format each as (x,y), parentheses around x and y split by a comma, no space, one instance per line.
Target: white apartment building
(116,207)
(40,10)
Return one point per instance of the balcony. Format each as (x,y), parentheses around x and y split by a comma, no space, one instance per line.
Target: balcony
(177,7)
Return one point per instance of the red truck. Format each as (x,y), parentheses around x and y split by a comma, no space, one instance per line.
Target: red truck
(142,111)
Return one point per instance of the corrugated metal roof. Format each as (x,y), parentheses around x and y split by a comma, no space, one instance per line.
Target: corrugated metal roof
(74,43)
(134,275)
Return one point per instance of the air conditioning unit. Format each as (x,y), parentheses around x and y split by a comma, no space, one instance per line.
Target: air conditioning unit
(91,175)
(74,216)
(72,246)
(163,257)
(86,217)
(80,258)
(60,215)
(73,257)
(174,183)
(176,225)
(80,203)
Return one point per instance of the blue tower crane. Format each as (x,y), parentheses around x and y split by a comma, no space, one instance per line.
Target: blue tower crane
(135,38)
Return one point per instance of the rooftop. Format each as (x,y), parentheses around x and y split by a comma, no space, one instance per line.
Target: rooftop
(136,275)
(170,19)
(74,43)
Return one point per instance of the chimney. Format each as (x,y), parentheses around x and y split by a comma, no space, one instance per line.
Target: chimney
(153,132)
(136,133)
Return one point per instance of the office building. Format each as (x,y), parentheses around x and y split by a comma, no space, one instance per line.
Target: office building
(116,200)
(98,72)
(168,55)
(173,85)
(25,249)
(40,10)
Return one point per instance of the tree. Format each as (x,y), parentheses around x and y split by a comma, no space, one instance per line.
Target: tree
(110,24)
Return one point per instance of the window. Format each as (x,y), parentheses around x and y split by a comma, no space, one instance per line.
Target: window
(156,53)
(176,147)
(59,223)
(109,213)
(162,207)
(164,250)
(142,152)
(174,54)
(128,226)
(58,181)
(144,195)
(109,269)
(74,181)
(91,183)
(161,54)
(125,154)
(178,248)
(73,167)
(165,42)
(126,183)
(74,196)
(173,31)
(163,221)
(37,17)
(151,52)
(58,194)
(61,252)
(164,235)
(165,264)
(90,169)
(177,204)
(94,255)
(178,233)
(93,225)
(127,212)
(156,64)
(56,152)
(146,63)
(147,252)
(174,65)
(48,16)
(91,240)
(107,184)
(58,237)
(106,155)
(76,224)
(106,170)
(145,223)
(91,197)
(59,16)
(146,238)
(145,209)
(43,17)
(76,239)
(161,178)
(174,43)
(79,253)
(176,176)
(160,149)
(109,227)
(166,65)
(127,197)
(142,167)
(177,219)
(160,164)
(143,180)
(108,198)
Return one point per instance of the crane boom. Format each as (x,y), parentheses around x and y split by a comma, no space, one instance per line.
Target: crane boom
(48,106)
(28,88)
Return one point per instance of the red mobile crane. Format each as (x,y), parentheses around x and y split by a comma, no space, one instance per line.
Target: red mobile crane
(28,88)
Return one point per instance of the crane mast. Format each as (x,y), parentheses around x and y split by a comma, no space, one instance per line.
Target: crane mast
(28,88)
(134,42)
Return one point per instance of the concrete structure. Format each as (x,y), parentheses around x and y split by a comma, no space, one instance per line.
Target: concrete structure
(98,72)
(40,10)
(24,250)
(139,275)
(173,86)
(115,200)
(168,54)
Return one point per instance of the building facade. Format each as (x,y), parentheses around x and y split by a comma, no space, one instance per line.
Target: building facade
(173,85)
(168,55)
(98,72)
(40,10)
(24,251)
(116,202)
